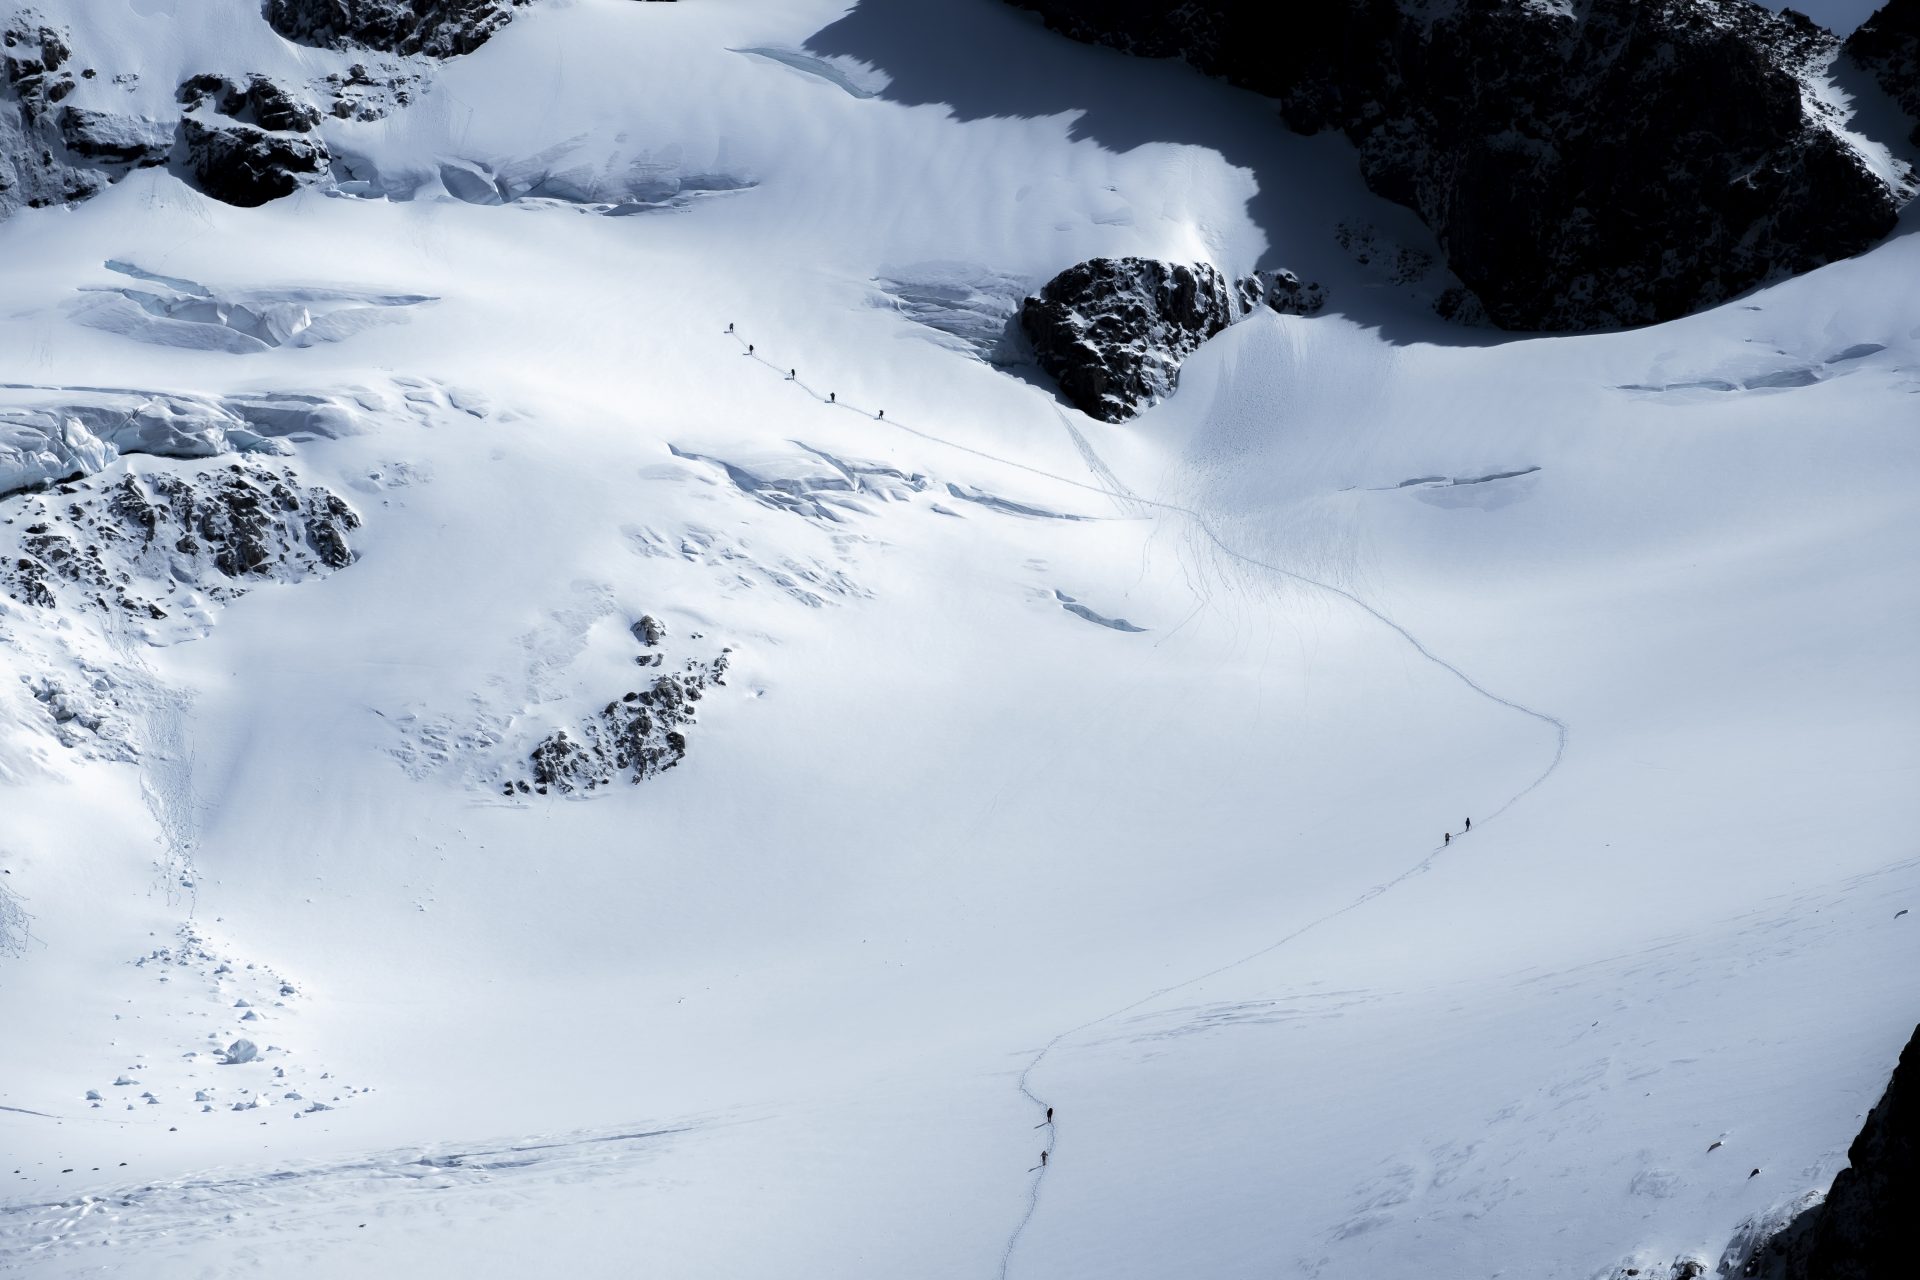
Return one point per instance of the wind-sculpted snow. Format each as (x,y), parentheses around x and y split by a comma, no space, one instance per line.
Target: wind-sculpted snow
(184,313)
(50,434)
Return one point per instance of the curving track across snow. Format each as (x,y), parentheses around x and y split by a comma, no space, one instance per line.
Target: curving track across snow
(1112,488)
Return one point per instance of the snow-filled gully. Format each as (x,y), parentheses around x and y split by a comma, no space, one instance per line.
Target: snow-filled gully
(1111,487)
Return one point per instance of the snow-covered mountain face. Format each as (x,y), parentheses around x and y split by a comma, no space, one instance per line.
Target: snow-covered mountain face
(578,696)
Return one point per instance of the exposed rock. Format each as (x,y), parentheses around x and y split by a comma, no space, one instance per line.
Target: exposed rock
(437,28)
(154,548)
(240,164)
(1888,46)
(1113,331)
(132,141)
(638,737)
(259,102)
(1862,1230)
(54,154)
(1615,162)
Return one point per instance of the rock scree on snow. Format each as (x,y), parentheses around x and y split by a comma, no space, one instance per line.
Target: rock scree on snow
(1113,331)
(1589,166)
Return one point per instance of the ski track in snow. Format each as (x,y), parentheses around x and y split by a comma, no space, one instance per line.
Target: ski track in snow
(1112,488)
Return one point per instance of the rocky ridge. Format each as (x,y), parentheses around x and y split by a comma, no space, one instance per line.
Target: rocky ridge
(1614,163)
(1887,45)
(1113,331)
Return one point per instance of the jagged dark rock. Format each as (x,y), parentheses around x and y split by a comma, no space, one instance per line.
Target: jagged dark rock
(243,165)
(1113,331)
(1862,1230)
(1887,45)
(144,546)
(437,28)
(259,102)
(1617,163)
(637,737)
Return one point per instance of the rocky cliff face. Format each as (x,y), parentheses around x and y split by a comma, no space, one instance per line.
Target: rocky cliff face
(1887,45)
(1584,165)
(1862,1230)
(437,28)
(1113,331)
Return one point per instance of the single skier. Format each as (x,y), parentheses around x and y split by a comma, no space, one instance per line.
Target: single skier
(1446,839)
(1049,1115)
(1469,826)
(881,415)
(1043,1161)
(832,398)
(749,348)
(793,375)
(729,326)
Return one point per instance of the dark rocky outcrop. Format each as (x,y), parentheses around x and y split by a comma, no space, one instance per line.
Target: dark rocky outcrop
(1863,1229)
(241,165)
(144,546)
(437,28)
(1113,331)
(1887,45)
(1616,163)
(639,736)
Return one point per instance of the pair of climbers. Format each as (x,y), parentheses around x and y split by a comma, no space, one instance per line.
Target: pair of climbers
(1044,1152)
(1447,838)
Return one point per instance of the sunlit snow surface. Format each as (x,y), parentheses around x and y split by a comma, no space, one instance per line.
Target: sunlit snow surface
(780,1011)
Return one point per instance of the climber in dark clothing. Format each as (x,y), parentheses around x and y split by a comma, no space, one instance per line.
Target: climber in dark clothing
(1469,826)
(1049,1115)
(1447,839)
(1043,1159)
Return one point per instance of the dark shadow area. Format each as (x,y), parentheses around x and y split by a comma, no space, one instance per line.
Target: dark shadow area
(984,59)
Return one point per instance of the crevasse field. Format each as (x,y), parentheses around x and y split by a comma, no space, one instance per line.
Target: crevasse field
(1056,763)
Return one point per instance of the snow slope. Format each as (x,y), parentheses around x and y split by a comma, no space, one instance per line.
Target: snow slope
(944,851)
